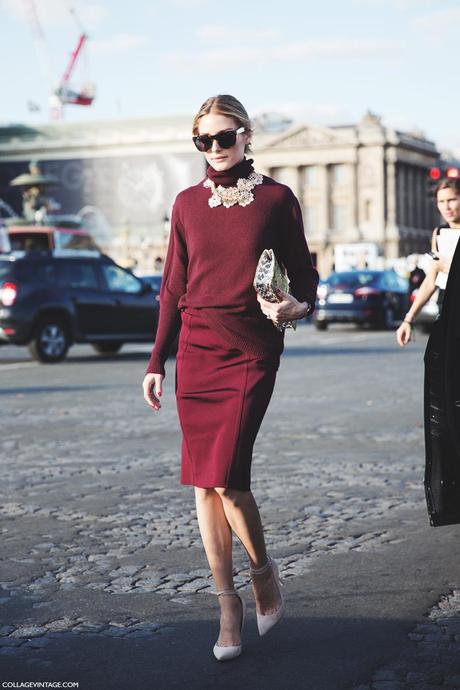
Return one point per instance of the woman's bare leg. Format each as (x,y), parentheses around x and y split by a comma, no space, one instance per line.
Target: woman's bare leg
(216,535)
(243,516)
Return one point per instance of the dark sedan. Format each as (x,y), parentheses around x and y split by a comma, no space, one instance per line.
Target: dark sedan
(377,298)
(49,302)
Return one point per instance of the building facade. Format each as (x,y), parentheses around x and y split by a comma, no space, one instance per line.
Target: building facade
(364,183)
(359,184)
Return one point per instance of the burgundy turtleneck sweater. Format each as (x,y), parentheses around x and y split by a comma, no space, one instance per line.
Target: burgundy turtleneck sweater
(212,258)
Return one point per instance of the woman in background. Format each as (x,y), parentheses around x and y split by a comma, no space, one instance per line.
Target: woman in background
(442,363)
(443,244)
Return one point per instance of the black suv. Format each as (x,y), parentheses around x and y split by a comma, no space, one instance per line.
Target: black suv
(49,302)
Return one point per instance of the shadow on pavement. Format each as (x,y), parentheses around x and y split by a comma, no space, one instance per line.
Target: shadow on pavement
(101,359)
(340,350)
(300,654)
(31,390)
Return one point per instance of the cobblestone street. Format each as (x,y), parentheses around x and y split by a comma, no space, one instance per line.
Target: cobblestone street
(103,579)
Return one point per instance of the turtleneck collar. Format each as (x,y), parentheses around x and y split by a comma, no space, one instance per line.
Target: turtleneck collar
(229,177)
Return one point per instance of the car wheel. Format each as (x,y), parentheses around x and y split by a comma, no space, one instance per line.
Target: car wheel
(107,347)
(51,341)
(321,325)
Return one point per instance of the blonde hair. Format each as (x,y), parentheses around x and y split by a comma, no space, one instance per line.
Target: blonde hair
(225,105)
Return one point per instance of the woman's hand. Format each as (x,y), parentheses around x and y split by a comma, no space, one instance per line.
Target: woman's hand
(287,309)
(153,389)
(404,333)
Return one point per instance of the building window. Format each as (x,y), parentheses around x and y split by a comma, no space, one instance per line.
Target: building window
(310,219)
(339,174)
(338,217)
(310,176)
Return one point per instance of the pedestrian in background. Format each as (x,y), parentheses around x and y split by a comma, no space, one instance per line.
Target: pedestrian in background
(443,245)
(229,347)
(442,368)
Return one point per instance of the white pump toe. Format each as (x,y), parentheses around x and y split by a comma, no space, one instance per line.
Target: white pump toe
(227,653)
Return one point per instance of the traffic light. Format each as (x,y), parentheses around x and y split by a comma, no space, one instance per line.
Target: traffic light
(437,173)
(434,176)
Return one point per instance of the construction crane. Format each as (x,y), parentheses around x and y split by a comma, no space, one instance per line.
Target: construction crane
(64,93)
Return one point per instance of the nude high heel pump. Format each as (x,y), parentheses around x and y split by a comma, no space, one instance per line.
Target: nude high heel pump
(267,621)
(227,653)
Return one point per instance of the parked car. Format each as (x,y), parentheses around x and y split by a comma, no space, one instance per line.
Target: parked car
(49,302)
(378,298)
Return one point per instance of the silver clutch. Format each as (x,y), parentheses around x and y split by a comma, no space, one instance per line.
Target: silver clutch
(269,276)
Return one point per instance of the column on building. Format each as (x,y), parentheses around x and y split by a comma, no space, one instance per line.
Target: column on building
(392,248)
(315,207)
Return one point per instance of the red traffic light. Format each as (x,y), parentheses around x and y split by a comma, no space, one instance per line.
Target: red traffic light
(452,172)
(435,173)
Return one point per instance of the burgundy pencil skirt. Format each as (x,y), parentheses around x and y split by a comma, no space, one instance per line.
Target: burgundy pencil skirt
(222,396)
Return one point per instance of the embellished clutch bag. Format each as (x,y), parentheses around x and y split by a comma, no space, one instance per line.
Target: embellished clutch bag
(270,276)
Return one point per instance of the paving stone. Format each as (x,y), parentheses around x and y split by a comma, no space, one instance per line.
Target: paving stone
(10,642)
(29,631)
(6,629)
(101,517)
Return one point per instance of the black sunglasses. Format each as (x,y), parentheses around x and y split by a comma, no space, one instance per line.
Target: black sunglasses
(225,139)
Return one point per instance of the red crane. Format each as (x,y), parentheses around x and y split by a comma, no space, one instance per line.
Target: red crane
(64,94)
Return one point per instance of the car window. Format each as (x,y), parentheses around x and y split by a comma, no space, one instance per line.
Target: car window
(69,240)
(119,280)
(352,279)
(46,273)
(78,274)
(43,272)
(29,242)
(392,281)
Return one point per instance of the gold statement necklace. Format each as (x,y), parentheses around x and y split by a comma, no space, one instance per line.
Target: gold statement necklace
(241,193)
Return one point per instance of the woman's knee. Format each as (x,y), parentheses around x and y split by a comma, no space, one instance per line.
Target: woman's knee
(232,496)
(204,494)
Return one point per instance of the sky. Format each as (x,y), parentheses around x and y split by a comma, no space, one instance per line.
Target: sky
(323,63)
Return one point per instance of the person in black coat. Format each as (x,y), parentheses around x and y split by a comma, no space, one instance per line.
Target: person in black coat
(442,407)
(442,370)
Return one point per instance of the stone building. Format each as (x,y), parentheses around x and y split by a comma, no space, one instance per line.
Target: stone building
(361,183)
(358,183)
(122,176)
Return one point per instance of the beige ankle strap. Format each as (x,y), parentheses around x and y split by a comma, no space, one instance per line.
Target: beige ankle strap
(226,592)
(263,569)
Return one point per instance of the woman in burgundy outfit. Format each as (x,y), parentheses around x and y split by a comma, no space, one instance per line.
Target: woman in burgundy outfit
(229,348)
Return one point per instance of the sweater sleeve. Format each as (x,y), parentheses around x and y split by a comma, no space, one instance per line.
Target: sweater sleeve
(173,286)
(295,255)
